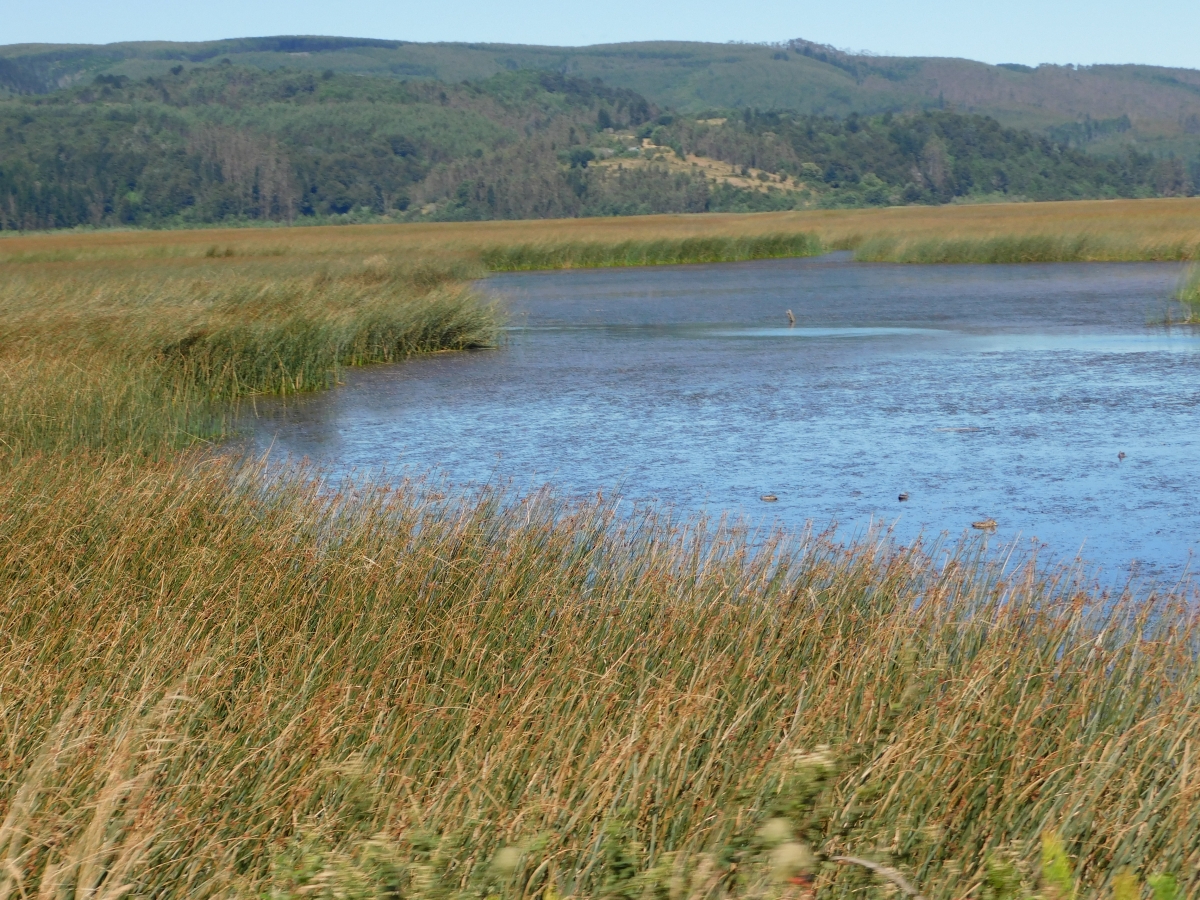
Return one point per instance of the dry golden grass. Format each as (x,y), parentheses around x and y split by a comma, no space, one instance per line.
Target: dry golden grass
(1133,225)
(716,171)
(1131,229)
(217,681)
(222,683)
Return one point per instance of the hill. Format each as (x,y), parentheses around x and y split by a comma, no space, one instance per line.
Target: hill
(227,144)
(1103,109)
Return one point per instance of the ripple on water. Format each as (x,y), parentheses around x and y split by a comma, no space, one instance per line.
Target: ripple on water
(982,392)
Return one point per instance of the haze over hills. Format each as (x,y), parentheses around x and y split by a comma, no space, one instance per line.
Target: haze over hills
(1103,108)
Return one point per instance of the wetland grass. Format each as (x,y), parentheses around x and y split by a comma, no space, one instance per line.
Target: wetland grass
(1076,231)
(149,356)
(218,680)
(1189,294)
(1030,248)
(1116,230)
(596,254)
(223,683)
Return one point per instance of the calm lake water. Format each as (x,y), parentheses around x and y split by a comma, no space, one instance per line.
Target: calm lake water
(980,391)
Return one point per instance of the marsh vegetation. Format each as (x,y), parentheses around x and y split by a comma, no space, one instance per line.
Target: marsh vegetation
(1189,294)
(225,680)
(145,358)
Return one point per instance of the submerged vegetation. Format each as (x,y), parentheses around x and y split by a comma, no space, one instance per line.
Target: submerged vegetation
(222,679)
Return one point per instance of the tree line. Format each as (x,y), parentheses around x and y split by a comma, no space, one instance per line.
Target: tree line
(226,144)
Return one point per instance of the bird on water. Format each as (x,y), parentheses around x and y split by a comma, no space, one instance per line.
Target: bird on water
(791,319)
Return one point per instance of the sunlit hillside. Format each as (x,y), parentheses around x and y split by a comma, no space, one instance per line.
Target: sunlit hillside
(231,144)
(1103,108)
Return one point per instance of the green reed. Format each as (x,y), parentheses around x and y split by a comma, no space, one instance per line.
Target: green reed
(597,254)
(1189,293)
(1027,248)
(52,403)
(127,361)
(280,341)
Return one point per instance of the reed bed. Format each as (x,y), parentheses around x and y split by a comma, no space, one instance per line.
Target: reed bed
(1189,294)
(57,403)
(150,358)
(219,681)
(1127,230)
(1077,231)
(1029,248)
(595,254)
(222,680)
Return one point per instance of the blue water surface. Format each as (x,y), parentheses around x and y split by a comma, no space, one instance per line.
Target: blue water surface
(1002,392)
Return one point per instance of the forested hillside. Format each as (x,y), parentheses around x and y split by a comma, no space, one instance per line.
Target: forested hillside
(1102,108)
(929,157)
(226,144)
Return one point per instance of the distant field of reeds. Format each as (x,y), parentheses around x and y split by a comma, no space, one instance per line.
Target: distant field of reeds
(598,254)
(222,680)
(1034,248)
(1115,230)
(1084,231)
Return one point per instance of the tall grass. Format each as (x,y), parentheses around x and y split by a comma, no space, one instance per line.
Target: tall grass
(1020,248)
(1113,230)
(53,402)
(149,359)
(1189,293)
(291,337)
(596,254)
(218,682)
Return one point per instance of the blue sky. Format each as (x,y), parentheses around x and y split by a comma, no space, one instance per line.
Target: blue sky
(1161,32)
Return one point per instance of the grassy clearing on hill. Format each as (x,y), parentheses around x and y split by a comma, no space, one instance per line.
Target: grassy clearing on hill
(224,681)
